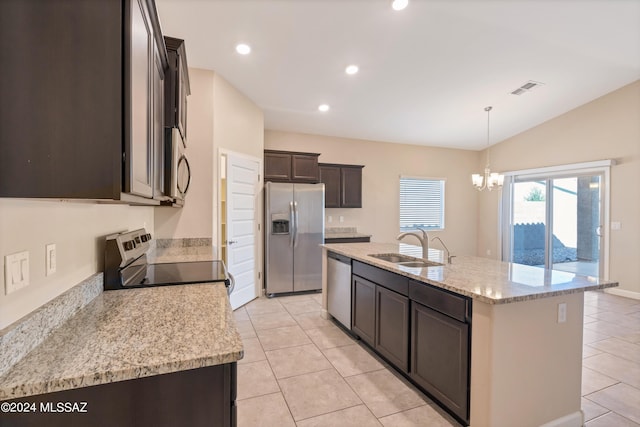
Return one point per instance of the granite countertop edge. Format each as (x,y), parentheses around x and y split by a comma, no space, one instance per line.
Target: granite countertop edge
(134,372)
(92,348)
(353,250)
(345,235)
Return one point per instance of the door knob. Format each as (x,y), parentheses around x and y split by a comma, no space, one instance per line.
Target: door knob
(231,242)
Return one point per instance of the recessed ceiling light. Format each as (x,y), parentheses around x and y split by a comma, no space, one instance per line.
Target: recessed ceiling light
(243,49)
(351,69)
(323,107)
(399,4)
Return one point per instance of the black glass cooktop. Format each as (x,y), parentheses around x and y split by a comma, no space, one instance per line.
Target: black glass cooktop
(184,273)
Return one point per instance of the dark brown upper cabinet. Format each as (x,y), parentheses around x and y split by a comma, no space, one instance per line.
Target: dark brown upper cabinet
(177,86)
(343,185)
(82,78)
(290,166)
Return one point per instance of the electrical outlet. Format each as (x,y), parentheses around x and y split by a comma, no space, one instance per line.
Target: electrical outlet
(341,218)
(615,225)
(329,219)
(50,259)
(562,312)
(16,272)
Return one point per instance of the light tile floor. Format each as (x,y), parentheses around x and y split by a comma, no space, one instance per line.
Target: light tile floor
(302,370)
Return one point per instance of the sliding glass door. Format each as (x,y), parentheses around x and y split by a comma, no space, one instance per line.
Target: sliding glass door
(556,222)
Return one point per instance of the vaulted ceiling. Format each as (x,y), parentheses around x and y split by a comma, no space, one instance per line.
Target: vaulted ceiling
(426,73)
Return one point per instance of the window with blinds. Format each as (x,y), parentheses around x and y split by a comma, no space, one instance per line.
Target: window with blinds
(421,203)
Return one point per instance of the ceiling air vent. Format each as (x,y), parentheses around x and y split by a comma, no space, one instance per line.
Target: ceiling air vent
(527,87)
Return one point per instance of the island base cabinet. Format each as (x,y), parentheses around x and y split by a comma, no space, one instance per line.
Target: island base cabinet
(392,327)
(197,397)
(363,309)
(440,358)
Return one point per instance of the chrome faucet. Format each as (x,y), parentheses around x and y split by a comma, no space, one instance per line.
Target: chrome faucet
(449,256)
(424,241)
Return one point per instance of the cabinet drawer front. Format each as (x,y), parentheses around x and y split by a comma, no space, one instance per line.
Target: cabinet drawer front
(446,303)
(387,279)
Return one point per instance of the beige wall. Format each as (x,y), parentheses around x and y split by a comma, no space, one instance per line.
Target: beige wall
(238,122)
(76,228)
(195,219)
(606,128)
(384,163)
(219,118)
(238,130)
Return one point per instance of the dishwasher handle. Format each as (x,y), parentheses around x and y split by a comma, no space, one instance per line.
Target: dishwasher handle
(338,257)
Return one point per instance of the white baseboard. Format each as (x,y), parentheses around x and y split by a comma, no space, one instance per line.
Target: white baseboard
(623,293)
(575,419)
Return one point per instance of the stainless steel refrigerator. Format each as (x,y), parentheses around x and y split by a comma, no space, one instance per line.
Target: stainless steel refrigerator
(294,231)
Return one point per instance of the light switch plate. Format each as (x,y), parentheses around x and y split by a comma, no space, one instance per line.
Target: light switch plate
(16,272)
(50,259)
(562,312)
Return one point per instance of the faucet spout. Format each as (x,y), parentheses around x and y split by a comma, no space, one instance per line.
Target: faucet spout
(449,256)
(424,241)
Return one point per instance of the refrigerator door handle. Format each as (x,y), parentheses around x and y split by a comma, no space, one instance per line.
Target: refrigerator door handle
(295,229)
(292,225)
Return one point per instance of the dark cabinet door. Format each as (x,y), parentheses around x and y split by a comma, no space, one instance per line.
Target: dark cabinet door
(182,99)
(61,122)
(277,166)
(363,309)
(138,136)
(202,397)
(440,357)
(289,166)
(304,168)
(392,327)
(330,177)
(158,125)
(351,187)
(343,185)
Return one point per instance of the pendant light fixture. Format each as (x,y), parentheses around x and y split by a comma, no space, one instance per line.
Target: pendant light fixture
(489,180)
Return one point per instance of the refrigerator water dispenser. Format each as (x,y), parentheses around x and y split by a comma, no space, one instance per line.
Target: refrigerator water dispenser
(279,224)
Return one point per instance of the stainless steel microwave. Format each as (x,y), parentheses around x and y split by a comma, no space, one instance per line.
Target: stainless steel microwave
(177,168)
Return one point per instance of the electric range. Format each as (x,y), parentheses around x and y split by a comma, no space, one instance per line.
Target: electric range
(126,265)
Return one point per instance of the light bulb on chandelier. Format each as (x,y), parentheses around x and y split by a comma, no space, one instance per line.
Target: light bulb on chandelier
(490,179)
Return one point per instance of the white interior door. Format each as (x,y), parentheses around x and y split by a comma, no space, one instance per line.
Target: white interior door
(242,194)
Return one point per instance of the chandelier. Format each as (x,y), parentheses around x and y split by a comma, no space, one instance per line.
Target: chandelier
(490,179)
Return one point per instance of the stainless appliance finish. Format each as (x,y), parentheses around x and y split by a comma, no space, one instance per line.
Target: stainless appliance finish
(126,266)
(339,288)
(177,170)
(294,231)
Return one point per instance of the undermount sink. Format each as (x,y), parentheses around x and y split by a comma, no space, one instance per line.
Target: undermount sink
(420,264)
(397,258)
(405,260)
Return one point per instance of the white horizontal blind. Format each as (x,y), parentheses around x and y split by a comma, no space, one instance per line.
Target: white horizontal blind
(421,203)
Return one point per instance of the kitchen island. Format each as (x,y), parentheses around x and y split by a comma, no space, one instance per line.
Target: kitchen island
(513,331)
(135,353)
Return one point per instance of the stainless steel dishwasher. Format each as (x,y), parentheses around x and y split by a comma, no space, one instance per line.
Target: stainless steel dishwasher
(339,288)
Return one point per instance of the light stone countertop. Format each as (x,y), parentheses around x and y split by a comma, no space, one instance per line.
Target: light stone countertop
(486,280)
(127,334)
(345,235)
